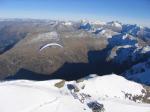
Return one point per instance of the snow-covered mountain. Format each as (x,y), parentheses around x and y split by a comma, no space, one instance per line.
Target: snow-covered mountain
(138,31)
(114,25)
(126,49)
(134,30)
(93,93)
(128,45)
(139,73)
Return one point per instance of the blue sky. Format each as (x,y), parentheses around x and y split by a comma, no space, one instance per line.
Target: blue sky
(126,11)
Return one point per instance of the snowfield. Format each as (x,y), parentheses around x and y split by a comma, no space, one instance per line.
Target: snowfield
(139,72)
(85,95)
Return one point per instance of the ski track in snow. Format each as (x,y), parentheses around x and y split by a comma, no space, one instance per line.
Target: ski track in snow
(65,98)
(41,105)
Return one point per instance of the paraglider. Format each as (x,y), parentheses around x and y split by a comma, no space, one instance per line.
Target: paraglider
(49,45)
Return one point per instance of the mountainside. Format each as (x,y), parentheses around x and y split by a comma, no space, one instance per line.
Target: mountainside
(69,50)
(139,72)
(89,94)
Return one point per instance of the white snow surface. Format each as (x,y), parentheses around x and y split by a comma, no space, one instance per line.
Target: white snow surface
(111,86)
(43,96)
(98,22)
(146,49)
(94,22)
(67,23)
(139,72)
(114,24)
(103,32)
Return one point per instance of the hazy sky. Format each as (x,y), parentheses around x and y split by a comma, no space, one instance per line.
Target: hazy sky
(126,11)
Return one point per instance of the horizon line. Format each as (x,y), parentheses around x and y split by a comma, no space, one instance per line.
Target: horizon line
(73,20)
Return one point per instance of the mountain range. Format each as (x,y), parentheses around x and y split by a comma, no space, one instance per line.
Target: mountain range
(74,65)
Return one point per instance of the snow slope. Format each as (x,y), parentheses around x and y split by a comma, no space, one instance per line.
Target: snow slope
(139,73)
(126,49)
(135,30)
(84,95)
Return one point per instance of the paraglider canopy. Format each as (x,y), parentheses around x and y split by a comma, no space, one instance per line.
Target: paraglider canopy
(50,45)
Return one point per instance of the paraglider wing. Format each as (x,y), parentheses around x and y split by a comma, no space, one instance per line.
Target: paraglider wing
(50,44)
